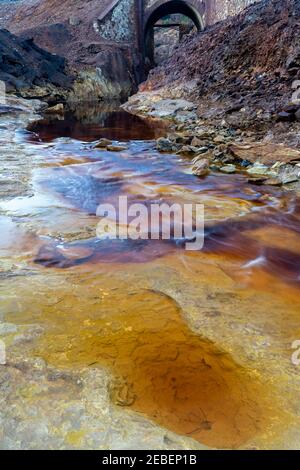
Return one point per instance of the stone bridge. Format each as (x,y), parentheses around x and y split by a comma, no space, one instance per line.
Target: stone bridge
(111,38)
(133,20)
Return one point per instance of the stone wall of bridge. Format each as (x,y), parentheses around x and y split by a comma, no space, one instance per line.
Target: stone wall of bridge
(106,40)
(212,10)
(126,20)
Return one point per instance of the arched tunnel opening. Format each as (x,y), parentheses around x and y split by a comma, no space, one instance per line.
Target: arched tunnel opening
(166,25)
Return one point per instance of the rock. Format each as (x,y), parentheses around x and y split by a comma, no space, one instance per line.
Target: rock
(201,167)
(188,149)
(107,77)
(228,169)
(116,148)
(183,139)
(168,108)
(291,108)
(258,169)
(7,328)
(57,109)
(204,134)
(218,154)
(227,159)
(267,153)
(121,393)
(227,98)
(191,149)
(257,181)
(276,165)
(185,116)
(273,182)
(285,116)
(75,251)
(74,21)
(196,142)
(219,139)
(297,115)
(289,179)
(102,143)
(164,145)
(245,163)
(214,167)
(293,61)
(203,149)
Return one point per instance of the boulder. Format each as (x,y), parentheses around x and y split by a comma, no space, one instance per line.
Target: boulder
(266,153)
(201,167)
(164,145)
(228,169)
(57,109)
(103,143)
(116,148)
(258,169)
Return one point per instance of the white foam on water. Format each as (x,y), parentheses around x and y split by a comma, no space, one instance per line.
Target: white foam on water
(259,261)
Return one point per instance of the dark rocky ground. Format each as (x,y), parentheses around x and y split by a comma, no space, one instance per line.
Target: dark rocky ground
(232,96)
(61,27)
(31,71)
(242,69)
(67,29)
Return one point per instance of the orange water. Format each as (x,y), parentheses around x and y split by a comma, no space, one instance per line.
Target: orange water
(197,341)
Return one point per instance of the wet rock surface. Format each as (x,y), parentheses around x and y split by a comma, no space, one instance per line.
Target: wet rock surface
(16,172)
(163,337)
(54,409)
(228,150)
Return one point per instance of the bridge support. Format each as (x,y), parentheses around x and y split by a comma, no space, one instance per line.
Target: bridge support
(160,9)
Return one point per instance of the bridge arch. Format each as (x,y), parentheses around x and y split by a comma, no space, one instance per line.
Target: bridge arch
(161,8)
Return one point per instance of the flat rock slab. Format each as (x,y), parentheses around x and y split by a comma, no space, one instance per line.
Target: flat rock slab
(155,106)
(265,153)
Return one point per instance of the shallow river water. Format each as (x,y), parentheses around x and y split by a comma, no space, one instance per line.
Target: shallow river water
(199,342)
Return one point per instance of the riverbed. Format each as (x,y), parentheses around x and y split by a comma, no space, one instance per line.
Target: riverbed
(141,343)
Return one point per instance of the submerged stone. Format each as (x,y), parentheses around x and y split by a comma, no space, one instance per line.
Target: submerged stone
(201,167)
(103,143)
(228,169)
(57,109)
(116,148)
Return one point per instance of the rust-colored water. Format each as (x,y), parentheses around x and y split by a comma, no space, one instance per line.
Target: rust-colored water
(90,123)
(198,342)
(160,367)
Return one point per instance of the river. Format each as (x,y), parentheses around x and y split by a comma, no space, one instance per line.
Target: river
(197,342)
